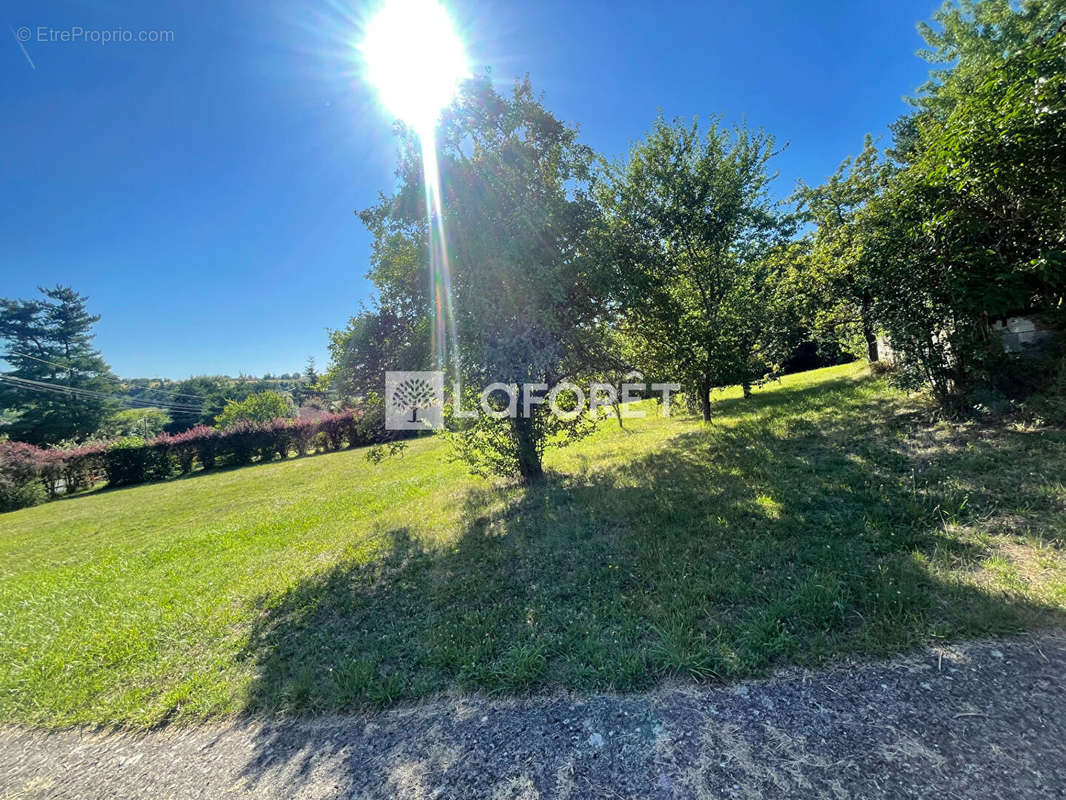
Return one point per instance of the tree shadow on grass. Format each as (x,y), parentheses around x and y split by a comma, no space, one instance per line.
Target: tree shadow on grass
(801,533)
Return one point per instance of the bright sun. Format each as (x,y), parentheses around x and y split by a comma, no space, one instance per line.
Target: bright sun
(415,59)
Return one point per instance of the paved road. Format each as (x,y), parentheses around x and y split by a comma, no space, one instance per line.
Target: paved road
(983,720)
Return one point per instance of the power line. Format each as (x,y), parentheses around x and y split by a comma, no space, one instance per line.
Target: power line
(125,401)
(129,402)
(67,367)
(90,394)
(26,383)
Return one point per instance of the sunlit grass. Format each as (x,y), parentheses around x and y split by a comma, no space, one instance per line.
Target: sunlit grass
(825,517)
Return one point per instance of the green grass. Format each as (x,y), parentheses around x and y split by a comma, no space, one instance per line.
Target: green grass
(825,517)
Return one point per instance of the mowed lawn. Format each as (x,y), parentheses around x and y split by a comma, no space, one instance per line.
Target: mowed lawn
(826,517)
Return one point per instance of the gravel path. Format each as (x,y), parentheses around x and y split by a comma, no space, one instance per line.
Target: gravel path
(981,720)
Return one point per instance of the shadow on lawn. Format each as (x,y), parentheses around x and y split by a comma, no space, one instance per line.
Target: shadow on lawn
(800,534)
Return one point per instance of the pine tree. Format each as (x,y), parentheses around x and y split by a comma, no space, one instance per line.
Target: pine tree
(49,341)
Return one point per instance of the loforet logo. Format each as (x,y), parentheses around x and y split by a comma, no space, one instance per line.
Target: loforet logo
(414,400)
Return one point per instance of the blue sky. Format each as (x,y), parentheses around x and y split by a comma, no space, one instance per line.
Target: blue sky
(201,191)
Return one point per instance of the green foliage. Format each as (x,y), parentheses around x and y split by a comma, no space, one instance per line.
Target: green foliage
(375,341)
(491,446)
(691,231)
(394,332)
(146,422)
(50,341)
(133,459)
(971,231)
(20,466)
(971,38)
(516,219)
(258,407)
(833,280)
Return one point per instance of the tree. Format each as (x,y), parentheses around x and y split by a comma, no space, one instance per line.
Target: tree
(394,332)
(258,407)
(207,394)
(48,342)
(972,230)
(144,422)
(692,224)
(838,281)
(516,217)
(971,37)
(967,39)
(311,373)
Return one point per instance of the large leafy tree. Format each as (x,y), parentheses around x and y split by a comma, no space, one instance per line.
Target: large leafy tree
(48,343)
(692,227)
(974,229)
(516,217)
(838,279)
(258,407)
(394,332)
(967,38)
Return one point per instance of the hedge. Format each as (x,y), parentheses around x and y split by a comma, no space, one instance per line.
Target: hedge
(29,474)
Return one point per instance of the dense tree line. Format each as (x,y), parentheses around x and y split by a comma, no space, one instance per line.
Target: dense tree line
(567,267)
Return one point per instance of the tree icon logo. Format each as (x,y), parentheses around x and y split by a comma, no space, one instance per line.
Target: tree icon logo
(414,400)
(414,394)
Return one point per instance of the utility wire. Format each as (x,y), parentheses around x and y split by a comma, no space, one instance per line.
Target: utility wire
(125,401)
(128,402)
(90,394)
(26,383)
(67,367)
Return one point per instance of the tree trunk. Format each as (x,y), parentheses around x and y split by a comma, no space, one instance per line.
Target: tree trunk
(705,400)
(871,341)
(868,331)
(746,386)
(529,465)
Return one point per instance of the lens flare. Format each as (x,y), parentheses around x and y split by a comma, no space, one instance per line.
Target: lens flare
(415,59)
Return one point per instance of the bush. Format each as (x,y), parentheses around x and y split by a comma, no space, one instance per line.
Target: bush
(1050,404)
(282,439)
(133,460)
(28,473)
(261,407)
(83,466)
(50,465)
(127,461)
(970,230)
(335,428)
(302,434)
(20,468)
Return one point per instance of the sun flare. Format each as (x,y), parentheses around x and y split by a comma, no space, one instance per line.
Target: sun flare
(415,59)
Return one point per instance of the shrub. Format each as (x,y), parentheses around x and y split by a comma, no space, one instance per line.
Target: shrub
(50,464)
(261,407)
(83,466)
(302,434)
(205,440)
(1050,404)
(133,460)
(20,467)
(282,434)
(335,428)
(182,452)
